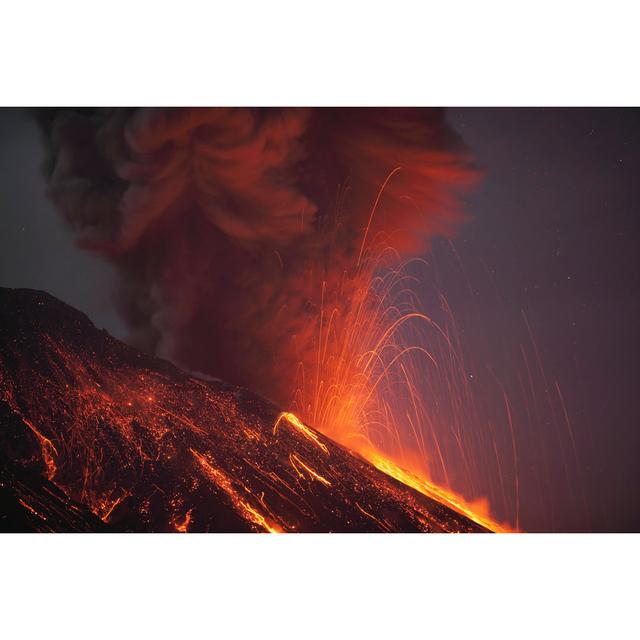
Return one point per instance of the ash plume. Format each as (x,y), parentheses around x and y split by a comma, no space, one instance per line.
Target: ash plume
(227,226)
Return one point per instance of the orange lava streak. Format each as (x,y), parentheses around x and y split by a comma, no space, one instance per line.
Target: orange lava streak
(247,511)
(107,508)
(30,508)
(437,493)
(295,461)
(47,449)
(257,518)
(296,423)
(384,525)
(373,212)
(183,526)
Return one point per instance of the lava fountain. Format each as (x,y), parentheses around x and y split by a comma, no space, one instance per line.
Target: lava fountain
(384,372)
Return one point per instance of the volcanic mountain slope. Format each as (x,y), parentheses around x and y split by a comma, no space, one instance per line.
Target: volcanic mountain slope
(31,503)
(105,435)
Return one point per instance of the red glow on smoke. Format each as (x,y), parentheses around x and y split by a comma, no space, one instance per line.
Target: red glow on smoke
(272,248)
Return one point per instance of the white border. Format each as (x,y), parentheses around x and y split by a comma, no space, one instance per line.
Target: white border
(319,586)
(348,53)
(196,52)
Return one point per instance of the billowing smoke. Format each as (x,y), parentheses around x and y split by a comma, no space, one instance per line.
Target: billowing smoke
(224,223)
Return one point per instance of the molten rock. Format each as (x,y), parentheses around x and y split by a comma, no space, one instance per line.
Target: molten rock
(106,436)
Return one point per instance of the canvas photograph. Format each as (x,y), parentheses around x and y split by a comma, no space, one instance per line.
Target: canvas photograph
(319,320)
(291,319)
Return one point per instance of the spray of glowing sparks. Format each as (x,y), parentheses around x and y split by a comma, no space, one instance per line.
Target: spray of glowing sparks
(387,376)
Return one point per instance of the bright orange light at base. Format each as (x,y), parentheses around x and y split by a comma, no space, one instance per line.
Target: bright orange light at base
(386,380)
(478,512)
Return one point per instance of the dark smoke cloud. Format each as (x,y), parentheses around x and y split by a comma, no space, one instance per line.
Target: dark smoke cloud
(224,223)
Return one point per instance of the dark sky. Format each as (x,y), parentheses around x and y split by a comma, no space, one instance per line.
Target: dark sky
(36,249)
(552,235)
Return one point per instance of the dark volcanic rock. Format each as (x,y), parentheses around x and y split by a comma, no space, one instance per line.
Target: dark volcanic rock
(93,432)
(29,502)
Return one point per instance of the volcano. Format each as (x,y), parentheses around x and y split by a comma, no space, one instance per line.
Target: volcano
(97,436)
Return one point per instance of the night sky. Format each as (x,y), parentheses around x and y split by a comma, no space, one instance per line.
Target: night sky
(551,237)
(555,224)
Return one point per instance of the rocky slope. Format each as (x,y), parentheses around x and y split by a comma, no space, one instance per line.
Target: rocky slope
(95,435)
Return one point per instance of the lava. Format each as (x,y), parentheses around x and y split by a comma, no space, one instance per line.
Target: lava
(146,447)
(296,423)
(297,463)
(386,374)
(478,512)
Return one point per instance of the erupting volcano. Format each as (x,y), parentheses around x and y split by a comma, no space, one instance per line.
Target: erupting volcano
(271,249)
(99,436)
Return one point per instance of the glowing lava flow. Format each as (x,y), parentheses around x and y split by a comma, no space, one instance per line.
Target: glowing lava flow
(477,513)
(390,383)
(296,423)
(390,468)
(225,483)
